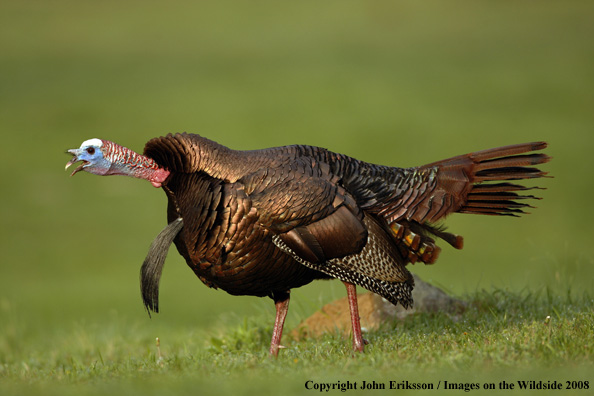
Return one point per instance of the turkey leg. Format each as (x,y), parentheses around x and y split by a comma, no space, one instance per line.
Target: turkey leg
(281,303)
(358,341)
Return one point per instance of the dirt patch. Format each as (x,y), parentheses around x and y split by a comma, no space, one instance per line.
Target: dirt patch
(374,311)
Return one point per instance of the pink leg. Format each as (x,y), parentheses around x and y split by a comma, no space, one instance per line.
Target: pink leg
(358,342)
(282,307)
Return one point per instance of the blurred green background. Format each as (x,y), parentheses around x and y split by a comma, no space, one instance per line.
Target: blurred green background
(398,83)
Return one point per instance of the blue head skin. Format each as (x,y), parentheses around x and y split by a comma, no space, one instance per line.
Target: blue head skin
(92,156)
(102,157)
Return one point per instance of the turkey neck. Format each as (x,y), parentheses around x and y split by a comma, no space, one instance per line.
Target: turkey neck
(129,163)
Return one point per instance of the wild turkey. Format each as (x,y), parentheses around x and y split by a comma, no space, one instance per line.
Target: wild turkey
(266,221)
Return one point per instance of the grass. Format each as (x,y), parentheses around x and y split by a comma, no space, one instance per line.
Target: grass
(398,83)
(500,332)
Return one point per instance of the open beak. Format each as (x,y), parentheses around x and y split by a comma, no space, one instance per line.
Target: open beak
(75,153)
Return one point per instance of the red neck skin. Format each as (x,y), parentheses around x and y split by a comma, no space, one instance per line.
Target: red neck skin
(129,163)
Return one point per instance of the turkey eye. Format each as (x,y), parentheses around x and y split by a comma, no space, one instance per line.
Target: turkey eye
(91,150)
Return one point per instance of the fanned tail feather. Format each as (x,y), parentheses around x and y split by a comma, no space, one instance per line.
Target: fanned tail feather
(500,164)
(479,181)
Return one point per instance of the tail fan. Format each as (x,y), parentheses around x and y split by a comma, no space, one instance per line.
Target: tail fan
(479,182)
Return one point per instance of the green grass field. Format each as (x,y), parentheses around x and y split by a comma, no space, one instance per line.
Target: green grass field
(397,83)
